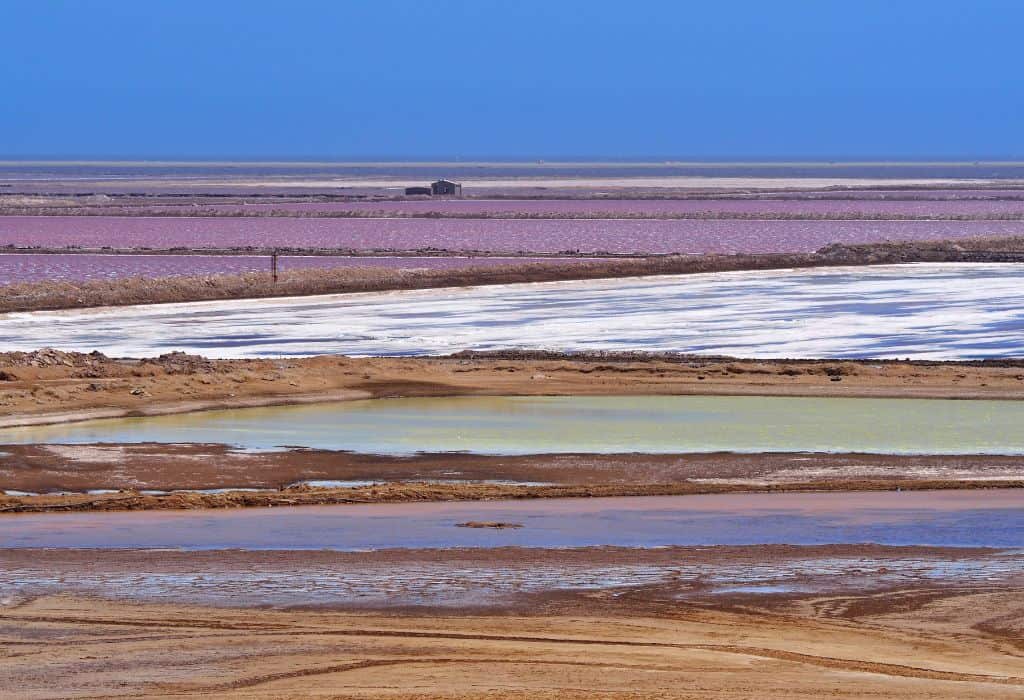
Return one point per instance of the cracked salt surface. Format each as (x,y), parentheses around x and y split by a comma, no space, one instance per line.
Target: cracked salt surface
(925,311)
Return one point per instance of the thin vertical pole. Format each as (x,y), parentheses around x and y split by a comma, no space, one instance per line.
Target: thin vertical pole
(273,265)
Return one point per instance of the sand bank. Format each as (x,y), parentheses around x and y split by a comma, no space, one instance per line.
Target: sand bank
(51,386)
(915,642)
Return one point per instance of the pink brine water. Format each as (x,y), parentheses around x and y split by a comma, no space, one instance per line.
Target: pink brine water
(498,235)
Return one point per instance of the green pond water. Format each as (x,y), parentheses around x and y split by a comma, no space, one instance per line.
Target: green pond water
(524,425)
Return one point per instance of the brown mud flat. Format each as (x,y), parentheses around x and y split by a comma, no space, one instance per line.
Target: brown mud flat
(919,640)
(410,492)
(160,466)
(131,468)
(51,386)
(117,561)
(37,296)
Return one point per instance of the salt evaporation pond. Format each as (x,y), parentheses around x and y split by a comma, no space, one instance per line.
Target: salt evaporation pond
(923,311)
(496,235)
(579,424)
(32,267)
(938,518)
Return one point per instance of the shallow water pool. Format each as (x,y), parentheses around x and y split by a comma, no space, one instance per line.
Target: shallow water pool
(942,518)
(568,424)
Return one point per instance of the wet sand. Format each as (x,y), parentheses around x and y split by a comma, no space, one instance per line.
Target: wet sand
(495,579)
(681,637)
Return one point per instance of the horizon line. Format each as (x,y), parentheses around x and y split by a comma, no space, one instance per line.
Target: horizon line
(524,162)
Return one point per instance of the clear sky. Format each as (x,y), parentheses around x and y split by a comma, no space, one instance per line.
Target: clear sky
(313,79)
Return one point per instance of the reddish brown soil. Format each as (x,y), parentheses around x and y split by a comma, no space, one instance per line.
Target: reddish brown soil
(133,468)
(150,466)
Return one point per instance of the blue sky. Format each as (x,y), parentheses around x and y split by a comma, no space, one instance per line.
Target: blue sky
(308,79)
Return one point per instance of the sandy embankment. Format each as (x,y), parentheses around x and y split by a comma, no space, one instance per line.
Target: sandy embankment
(921,640)
(50,386)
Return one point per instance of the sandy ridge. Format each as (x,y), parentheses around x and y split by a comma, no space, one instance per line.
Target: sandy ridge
(50,386)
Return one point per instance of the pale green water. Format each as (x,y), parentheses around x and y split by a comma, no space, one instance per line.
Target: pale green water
(523,425)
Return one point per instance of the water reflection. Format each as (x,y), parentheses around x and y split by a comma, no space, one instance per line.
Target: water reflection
(941,518)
